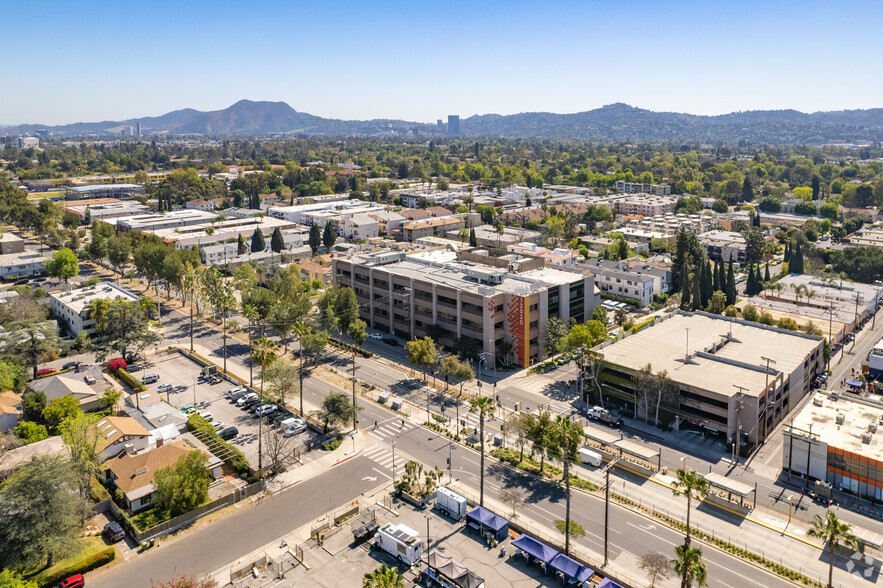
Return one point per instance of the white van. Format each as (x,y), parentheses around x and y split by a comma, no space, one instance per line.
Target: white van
(590,457)
(292,426)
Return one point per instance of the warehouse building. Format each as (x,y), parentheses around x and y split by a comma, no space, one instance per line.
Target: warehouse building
(466,304)
(729,375)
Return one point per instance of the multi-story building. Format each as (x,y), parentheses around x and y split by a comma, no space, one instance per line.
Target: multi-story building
(645,205)
(468,305)
(724,246)
(623,187)
(150,223)
(319,212)
(360,226)
(454,125)
(10,243)
(118,191)
(557,256)
(21,265)
(27,142)
(72,307)
(730,375)
(431,227)
(105,208)
(615,277)
(837,440)
(487,236)
(200,235)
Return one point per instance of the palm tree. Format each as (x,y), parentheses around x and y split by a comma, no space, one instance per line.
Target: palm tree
(831,531)
(147,305)
(383,577)
(484,405)
(263,352)
(690,566)
(566,435)
(690,482)
(98,308)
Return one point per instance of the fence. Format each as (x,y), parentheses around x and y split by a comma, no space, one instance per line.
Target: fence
(333,519)
(181,520)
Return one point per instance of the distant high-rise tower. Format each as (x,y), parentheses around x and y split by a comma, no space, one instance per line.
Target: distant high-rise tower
(454,124)
(138,129)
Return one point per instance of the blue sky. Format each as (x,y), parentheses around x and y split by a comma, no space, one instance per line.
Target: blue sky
(421,60)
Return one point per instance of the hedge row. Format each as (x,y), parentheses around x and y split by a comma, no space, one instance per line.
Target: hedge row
(131,381)
(349,347)
(87,564)
(236,461)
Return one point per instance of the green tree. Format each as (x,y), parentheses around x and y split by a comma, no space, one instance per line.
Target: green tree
(63,265)
(731,284)
(315,238)
(313,343)
(127,332)
(690,483)
(566,436)
(328,236)
(720,206)
(60,409)
(181,487)
(473,240)
(30,432)
(696,294)
(831,531)
(336,410)
(32,405)
(31,342)
(571,529)
(81,438)
(689,565)
(555,331)
(119,252)
(383,577)
(422,353)
(110,398)
(41,512)
(589,335)
(802,193)
(484,406)
(599,313)
(284,379)
(277,243)
(241,245)
(342,303)
(148,259)
(452,368)
(258,243)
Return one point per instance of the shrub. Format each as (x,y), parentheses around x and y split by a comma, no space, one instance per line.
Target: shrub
(98,492)
(87,564)
(113,365)
(331,445)
(130,380)
(236,459)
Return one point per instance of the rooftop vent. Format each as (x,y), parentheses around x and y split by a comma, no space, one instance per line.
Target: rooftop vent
(141,471)
(841,418)
(866,437)
(817,401)
(872,427)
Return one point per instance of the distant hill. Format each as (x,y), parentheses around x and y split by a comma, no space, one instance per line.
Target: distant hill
(617,122)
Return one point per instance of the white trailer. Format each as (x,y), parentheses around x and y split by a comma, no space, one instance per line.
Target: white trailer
(588,456)
(401,541)
(451,503)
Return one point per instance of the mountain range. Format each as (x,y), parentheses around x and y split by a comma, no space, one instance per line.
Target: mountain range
(614,122)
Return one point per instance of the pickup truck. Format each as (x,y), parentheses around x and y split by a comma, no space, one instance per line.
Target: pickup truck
(604,416)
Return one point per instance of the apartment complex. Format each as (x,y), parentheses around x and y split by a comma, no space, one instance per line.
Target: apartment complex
(615,277)
(10,243)
(21,265)
(724,246)
(466,304)
(645,205)
(557,256)
(623,187)
(731,375)
(73,307)
(432,227)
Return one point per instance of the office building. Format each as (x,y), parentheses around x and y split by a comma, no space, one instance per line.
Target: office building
(106,208)
(117,191)
(432,227)
(72,307)
(209,233)
(151,223)
(466,304)
(837,440)
(454,125)
(731,375)
(27,142)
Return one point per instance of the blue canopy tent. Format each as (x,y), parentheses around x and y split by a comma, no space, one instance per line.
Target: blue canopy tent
(488,523)
(855,383)
(608,583)
(534,549)
(573,571)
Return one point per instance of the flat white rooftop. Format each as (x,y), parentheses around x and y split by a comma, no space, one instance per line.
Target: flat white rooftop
(848,434)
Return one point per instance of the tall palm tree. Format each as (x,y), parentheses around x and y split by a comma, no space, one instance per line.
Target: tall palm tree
(690,482)
(567,435)
(831,531)
(263,352)
(383,577)
(484,405)
(690,566)
(147,305)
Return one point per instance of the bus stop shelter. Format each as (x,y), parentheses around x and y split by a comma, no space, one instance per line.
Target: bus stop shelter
(732,488)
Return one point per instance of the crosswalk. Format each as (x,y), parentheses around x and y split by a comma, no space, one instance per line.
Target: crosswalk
(382,456)
(391,429)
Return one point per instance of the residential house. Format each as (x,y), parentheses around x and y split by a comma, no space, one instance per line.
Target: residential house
(317,268)
(10,407)
(87,386)
(200,204)
(120,433)
(388,222)
(51,447)
(134,473)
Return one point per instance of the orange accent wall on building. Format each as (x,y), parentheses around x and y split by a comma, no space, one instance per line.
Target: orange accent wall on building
(518,317)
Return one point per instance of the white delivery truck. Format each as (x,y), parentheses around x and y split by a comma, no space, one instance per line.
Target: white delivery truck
(590,457)
(451,503)
(400,541)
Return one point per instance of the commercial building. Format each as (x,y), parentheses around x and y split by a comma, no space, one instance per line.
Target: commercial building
(21,265)
(487,236)
(724,246)
(150,223)
(557,256)
(203,234)
(623,187)
(106,208)
(865,237)
(837,441)
(320,212)
(10,243)
(730,375)
(118,191)
(27,142)
(72,307)
(454,125)
(487,309)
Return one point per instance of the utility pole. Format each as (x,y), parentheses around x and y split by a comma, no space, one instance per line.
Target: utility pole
(738,410)
(607,507)
(766,385)
(858,297)
(450,461)
(355,412)
(830,342)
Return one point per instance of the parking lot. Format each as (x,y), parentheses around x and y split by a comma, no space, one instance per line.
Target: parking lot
(188,387)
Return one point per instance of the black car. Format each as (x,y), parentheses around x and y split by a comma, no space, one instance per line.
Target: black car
(228,433)
(251,402)
(391,342)
(71,365)
(113,531)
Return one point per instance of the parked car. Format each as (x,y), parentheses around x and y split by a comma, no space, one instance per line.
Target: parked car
(391,342)
(250,403)
(46,371)
(228,433)
(229,393)
(237,395)
(189,410)
(207,415)
(164,388)
(247,398)
(218,425)
(71,365)
(113,531)
(75,581)
(377,336)
(150,378)
(265,410)
(134,368)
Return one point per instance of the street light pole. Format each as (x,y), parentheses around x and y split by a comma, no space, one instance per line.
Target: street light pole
(194,391)
(393,463)
(450,461)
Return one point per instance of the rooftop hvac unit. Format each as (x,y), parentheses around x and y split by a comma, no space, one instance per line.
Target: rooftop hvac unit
(840,418)
(872,427)
(866,437)
(817,401)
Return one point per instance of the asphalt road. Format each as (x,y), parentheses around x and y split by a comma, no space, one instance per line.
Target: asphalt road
(224,541)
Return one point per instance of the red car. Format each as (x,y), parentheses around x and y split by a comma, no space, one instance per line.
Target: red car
(75,581)
(46,371)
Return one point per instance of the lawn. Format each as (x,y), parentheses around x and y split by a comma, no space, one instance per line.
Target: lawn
(89,546)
